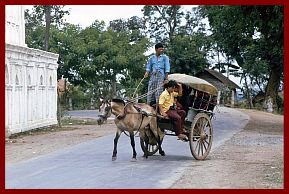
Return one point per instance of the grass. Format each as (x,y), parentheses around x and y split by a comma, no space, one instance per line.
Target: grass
(275,174)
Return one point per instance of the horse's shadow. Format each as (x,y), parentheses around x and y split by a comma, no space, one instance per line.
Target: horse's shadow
(168,158)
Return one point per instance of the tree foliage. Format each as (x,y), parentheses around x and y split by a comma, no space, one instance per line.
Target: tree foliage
(253,36)
(182,32)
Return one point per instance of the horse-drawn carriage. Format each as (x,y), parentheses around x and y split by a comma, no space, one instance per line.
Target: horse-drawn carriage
(198,100)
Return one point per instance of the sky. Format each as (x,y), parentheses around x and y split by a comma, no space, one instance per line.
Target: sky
(85,15)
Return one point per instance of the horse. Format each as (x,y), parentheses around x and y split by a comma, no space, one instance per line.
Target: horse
(131,117)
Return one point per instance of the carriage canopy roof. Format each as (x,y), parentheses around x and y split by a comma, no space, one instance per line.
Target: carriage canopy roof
(194,82)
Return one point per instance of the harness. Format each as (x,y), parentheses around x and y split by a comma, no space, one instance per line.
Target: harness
(139,111)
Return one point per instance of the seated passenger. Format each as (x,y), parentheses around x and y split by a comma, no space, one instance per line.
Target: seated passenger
(166,102)
(179,90)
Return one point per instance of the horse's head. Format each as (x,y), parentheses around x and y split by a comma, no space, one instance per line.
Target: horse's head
(105,112)
(115,106)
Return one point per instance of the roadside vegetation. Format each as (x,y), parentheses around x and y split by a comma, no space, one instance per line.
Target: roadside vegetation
(68,124)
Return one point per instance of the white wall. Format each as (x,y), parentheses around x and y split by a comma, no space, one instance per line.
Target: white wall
(30,79)
(30,88)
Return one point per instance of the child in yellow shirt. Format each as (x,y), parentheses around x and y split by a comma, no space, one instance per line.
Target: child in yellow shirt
(166,102)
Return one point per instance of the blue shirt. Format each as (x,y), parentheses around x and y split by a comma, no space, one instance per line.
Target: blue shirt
(161,64)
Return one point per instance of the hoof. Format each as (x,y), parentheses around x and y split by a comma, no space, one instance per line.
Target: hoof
(162,153)
(145,156)
(133,160)
(113,158)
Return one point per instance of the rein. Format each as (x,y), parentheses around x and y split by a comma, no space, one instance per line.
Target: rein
(143,95)
(124,114)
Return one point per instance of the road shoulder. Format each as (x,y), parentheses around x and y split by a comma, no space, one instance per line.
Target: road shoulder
(252,158)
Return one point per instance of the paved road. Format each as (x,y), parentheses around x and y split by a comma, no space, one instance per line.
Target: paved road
(88,165)
(91,114)
(85,114)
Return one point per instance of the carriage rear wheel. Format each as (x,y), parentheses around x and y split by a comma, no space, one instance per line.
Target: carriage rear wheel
(149,149)
(201,136)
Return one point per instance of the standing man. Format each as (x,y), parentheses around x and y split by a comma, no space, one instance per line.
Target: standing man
(158,68)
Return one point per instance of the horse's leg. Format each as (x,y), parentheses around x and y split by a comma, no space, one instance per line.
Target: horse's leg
(153,125)
(161,151)
(132,143)
(117,135)
(145,155)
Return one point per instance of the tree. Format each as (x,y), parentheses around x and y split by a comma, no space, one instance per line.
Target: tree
(183,33)
(163,21)
(45,14)
(185,55)
(253,36)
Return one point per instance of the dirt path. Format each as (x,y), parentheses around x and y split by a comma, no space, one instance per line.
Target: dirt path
(253,158)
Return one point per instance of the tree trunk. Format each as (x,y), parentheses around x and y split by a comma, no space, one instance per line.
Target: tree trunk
(47,26)
(273,85)
(58,110)
(248,93)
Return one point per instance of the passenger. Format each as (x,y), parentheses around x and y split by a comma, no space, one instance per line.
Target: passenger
(167,109)
(177,104)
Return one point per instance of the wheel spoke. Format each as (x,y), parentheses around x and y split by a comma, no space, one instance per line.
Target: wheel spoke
(204,123)
(198,128)
(149,147)
(202,143)
(199,147)
(205,144)
(197,143)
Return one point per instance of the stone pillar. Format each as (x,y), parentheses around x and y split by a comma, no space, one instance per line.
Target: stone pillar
(269,104)
(70,104)
(233,98)
(15,25)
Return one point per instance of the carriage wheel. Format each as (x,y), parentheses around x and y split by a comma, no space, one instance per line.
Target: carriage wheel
(201,136)
(150,149)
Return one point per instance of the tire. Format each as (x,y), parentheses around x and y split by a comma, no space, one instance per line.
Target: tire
(150,150)
(201,136)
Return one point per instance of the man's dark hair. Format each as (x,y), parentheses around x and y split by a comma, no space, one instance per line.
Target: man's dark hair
(171,83)
(159,45)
